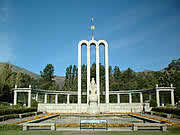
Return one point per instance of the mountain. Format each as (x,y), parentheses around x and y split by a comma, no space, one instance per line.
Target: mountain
(59,79)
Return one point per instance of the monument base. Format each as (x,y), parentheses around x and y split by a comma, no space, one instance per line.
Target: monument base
(83,108)
(93,108)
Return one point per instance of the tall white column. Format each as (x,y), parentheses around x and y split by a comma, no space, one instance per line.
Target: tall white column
(37,96)
(107,72)
(157,98)
(29,99)
(172,97)
(15,97)
(118,98)
(88,71)
(97,72)
(45,98)
(79,73)
(56,99)
(130,98)
(141,98)
(67,98)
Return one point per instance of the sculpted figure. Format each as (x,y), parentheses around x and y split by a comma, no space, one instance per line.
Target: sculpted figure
(93,89)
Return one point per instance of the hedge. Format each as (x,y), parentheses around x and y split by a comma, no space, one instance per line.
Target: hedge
(11,116)
(10,127)
(169,110)
(16,110)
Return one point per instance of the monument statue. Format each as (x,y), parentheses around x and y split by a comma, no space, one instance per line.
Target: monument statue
(93,92)
(93,98)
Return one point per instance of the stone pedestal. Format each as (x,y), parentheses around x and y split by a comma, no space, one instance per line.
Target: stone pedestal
(93,108)
(93,104)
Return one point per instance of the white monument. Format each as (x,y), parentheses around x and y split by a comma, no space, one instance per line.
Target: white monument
(93,104)
(97,44)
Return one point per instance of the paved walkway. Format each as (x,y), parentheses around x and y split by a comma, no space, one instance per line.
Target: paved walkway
(14,120)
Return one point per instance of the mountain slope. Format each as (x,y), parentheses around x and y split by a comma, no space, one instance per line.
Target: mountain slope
(58,79)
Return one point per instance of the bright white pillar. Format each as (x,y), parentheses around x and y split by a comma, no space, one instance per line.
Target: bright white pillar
(45,98)
(118,98)
(88,71)
(79,73)
(130,98)
(37,96)
(29,99)
(157,98)
(67,98)
(172,97)
(56,100)
(15,97)
(97,72)
(106,72)
(141,98)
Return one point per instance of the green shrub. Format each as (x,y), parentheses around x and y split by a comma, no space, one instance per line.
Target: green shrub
(153,103)
(34,103)
(10,127)
(16,110)
(169,110)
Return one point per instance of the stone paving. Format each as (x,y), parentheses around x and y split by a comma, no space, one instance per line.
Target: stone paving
(77,120)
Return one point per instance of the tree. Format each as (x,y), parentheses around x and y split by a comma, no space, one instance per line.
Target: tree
(117,73)
(4,82)
(48,73)
(47,78)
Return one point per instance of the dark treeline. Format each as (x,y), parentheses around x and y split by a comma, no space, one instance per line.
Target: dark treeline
(128,79)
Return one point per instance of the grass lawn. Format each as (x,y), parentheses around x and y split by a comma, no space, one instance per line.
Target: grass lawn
(171,131)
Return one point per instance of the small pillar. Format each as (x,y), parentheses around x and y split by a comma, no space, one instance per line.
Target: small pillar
(157,98)
(45,98)
(172,97)
(67,98)
(37,97)
(141,98)
(15,97)
(130,98)
(29,99)
(118,98)
(56,100)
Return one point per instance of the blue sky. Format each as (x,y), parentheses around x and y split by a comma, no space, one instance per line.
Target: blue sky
(142,34)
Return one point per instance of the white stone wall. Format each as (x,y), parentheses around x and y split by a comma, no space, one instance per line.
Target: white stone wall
(82,108)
